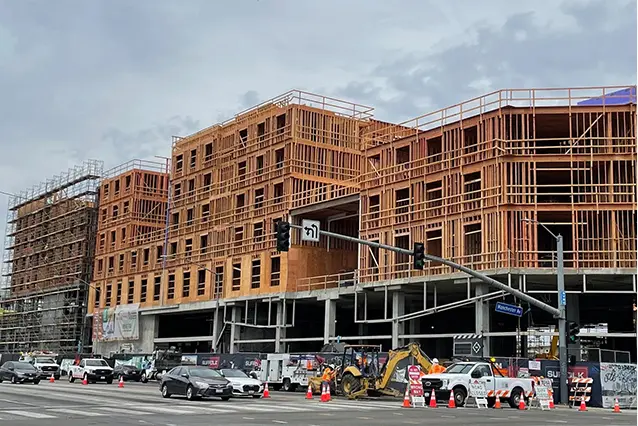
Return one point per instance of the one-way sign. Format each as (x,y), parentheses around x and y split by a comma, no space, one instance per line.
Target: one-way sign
(310,231)
(504,308)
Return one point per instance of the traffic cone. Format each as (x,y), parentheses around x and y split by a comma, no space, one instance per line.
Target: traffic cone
(521,403)
(616,406)
(433,400)
(497,404)
(266,392)
(406,398)
(551,400)
(328,396)
(121,383)
(52,379)
(583,406)
(84,381)
(451,403)
(309,392)
(323,393)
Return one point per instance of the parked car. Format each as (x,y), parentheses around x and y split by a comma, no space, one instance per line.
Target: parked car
(127,372)
(194,383)
(19,372)
(242,383)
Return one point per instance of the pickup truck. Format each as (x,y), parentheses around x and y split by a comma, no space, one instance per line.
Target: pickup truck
(45,365)
(93,370)
(456,378)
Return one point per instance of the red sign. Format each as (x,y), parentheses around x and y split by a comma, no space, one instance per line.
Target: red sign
(414,374)
(211,362)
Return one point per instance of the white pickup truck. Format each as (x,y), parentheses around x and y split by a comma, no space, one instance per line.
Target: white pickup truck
(93,370)
(457,377)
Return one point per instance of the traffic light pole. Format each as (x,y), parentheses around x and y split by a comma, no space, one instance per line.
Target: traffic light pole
(562,321)
(491,281)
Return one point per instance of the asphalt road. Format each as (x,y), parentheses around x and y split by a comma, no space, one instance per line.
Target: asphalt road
(65,404)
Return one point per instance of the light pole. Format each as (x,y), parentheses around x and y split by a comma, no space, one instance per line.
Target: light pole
(562,320)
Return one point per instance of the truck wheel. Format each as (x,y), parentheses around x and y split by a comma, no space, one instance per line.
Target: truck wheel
(144,379)
(459,396)
(287,386)
(515,397)
(71,378)
(350,385)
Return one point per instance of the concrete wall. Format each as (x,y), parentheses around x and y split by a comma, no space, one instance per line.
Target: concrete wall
(149,326)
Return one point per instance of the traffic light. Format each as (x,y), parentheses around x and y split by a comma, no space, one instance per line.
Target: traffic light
(573,331)
(283,236)
(419,256)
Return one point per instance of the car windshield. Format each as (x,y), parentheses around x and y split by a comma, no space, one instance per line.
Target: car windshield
(23,366)
(96,363)
(229,372)
(459,368)
(205,373)
(45,360)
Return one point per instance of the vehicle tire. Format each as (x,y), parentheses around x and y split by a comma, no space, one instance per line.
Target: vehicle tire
(286,386)
(190,393)
(109,381)
(515,397)
(459,396)
(165,393)
(71,378)
(349,385)
(225,398)
(13,380)
(36,382)
(144,379)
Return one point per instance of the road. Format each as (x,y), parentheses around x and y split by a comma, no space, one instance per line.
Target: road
(65,404)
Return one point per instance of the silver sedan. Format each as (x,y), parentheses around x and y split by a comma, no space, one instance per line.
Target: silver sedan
(243,385)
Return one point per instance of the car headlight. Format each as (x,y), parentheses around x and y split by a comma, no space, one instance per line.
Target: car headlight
(201,385)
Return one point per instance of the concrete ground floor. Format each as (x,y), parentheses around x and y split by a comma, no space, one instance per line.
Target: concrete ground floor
(431,312)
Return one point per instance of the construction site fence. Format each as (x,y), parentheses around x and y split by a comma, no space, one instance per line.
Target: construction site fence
(611,380)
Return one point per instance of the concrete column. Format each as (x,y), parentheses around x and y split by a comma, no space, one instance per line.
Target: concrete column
(363,330)
(398,309)
(218,324)
(330,320)
(280,331)
(235,332)
(482,316)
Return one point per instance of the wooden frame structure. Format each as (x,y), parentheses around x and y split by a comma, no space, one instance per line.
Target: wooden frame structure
(474,181)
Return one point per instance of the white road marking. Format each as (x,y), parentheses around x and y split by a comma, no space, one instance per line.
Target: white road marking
(29,414)
(280,422)
(123,410)
(11,401)
(364,418)
(77,412)
(248,418)
(146,407)
(448,417)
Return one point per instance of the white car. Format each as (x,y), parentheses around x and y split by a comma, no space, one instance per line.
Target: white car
(92,370)
(243,384)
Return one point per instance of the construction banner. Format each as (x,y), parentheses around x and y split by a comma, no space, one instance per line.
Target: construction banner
(119,323)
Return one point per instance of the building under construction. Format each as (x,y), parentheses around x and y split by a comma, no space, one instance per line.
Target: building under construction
(487,183)
(48,262)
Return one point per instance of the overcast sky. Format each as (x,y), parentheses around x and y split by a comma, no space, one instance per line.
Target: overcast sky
(115,79)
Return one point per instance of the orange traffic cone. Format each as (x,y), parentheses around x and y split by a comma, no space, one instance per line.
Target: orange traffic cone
(433,400)
(583,406)
(451,403)
(266,391)
(406,398)
(551,400)
(616,406)
(323,393)
(52,379)
(328,394)
(121,383)
(84,381)
(521,403)
(497,404)
(309,392)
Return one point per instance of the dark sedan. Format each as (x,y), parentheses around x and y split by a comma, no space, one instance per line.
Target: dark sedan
(19,372)
(127,372)
(195,383)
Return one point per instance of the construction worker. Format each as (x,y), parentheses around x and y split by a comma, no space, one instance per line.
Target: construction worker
(325,378)
(436,368)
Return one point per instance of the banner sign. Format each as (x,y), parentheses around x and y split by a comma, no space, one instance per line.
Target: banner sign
(119,323)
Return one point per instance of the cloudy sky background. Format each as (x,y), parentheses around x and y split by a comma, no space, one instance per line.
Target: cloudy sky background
(115,79)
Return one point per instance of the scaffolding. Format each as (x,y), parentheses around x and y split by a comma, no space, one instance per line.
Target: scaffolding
(47,263)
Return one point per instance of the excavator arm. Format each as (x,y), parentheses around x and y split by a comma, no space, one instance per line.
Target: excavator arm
(395,356)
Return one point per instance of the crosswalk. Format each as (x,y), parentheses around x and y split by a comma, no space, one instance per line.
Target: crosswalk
(79,403)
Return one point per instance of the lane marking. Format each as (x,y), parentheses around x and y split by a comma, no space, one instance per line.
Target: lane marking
(123,410)
(248,418)
(280,422)
(11,401)
(77,412)
(448,417)
(164,410)
(32,415)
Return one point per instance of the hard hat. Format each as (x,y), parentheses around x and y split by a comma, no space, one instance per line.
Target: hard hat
(435,360)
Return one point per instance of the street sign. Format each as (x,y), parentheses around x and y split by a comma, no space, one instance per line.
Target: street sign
(310,230)
(505,308)
(563,298)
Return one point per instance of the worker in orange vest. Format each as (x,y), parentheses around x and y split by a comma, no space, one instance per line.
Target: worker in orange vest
(436,368)
(326,377)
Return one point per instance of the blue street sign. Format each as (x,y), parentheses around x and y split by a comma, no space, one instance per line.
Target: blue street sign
(563,298)
(504,308)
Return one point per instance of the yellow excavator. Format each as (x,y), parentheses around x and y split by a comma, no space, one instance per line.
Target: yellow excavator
(360,375)
(553,351)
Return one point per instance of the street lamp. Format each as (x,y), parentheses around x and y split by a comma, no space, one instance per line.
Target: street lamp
(562,302)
